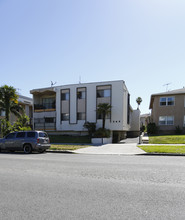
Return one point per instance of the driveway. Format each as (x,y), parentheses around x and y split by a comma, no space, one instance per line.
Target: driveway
(127,146)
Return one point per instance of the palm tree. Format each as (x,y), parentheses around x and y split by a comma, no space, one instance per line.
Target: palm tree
(138,100)
(8,101)
(104,109)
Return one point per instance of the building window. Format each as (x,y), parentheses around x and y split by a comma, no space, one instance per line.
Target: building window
(65,96)
(103,93)
(65,116)
(166,120)
(49,120)
(184,121)
(81,116)
(167,101)
(81,95)
(48,103)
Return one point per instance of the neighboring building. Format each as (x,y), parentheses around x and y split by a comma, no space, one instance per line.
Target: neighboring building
(66,108)
(26,103)
(144,119)
(168,110)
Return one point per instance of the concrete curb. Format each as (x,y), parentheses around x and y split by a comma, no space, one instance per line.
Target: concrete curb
(60,151)
(145,154)
(163,154)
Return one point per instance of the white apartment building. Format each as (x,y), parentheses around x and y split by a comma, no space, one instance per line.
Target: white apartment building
(66,108)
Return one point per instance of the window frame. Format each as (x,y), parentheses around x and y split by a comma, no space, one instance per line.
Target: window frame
(63,118)
(101,93)
(166,120)
(81,116)
(167,101)
(49,103)
(65,96)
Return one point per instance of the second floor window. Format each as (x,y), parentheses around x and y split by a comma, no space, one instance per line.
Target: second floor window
(167,101)
(48,103)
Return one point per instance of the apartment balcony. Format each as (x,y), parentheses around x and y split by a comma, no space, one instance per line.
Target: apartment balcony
(45,108)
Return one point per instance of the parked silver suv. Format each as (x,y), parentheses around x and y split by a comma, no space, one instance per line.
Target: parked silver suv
(27,141)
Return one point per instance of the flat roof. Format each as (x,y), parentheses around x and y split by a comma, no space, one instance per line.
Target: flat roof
(68,85)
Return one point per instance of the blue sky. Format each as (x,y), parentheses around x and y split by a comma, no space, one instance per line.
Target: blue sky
(139,41)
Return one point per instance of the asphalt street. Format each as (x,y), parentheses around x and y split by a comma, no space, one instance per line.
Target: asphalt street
(78,186)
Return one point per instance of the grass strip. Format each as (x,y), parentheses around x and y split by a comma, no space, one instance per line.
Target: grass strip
(67,147)
(167,139)
(163,149)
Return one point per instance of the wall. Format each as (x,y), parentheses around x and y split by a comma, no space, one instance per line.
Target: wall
(178,111)
(118,116)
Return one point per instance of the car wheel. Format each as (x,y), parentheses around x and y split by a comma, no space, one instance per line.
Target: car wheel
(27,149)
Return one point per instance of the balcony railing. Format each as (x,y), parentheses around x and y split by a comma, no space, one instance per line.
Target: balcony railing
(46,107)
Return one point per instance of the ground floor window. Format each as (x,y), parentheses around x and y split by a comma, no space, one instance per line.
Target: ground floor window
(184,121)
(81,116)
(65,117)
(166,120)
(49,120)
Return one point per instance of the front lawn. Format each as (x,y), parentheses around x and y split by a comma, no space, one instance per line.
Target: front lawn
(66,147)
(163,149)
(167,139)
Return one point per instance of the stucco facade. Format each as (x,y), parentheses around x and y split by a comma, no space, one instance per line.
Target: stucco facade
(66,108)
(168,110)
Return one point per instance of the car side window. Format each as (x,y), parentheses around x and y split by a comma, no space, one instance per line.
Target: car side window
(31,134)
(10,136)
(20,135)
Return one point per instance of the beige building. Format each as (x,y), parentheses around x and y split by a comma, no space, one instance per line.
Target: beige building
(168,110)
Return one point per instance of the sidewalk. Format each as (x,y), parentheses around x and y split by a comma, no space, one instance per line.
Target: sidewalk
(126,149)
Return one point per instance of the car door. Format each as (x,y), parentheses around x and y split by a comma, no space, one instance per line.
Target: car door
(9,141)
(19,140)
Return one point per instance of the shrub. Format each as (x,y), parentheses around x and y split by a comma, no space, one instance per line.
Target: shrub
(142,128)
(91,127)
(6,127)
(102,133)
(152,128)
(178,130)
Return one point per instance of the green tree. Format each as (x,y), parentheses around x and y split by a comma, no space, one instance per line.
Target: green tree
(6,127)
(139,100)
(104,109)
(8,101)
(22,123)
